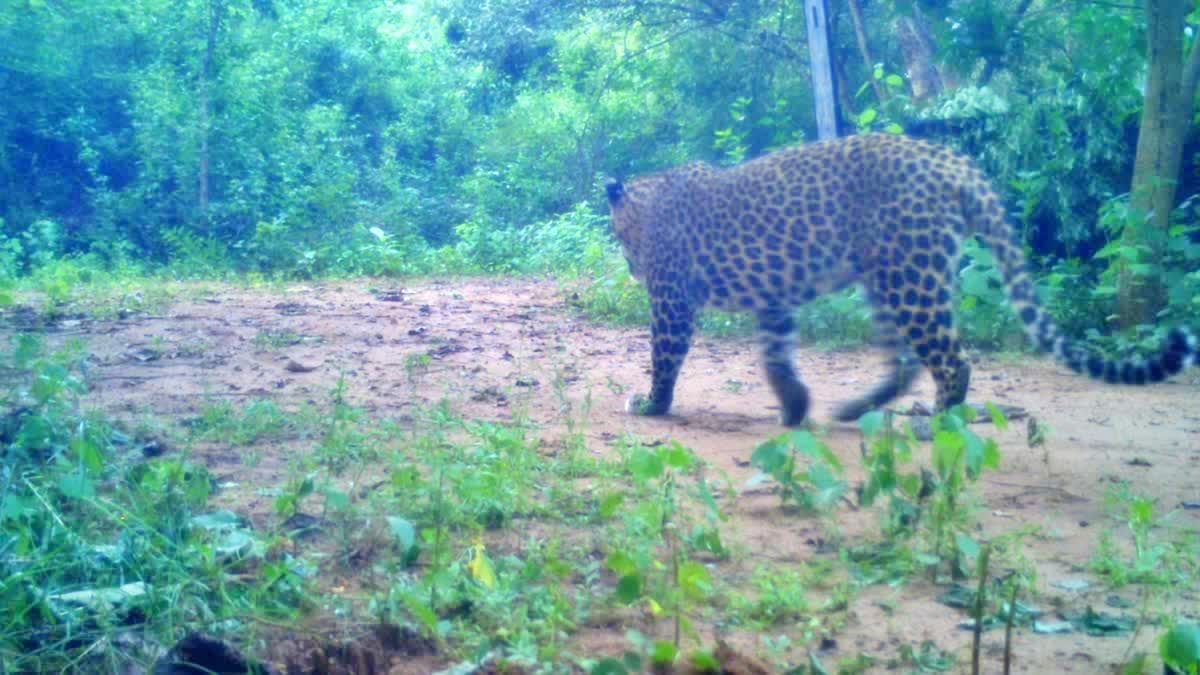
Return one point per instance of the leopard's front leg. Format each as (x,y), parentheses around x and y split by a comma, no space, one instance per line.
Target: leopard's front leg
(671,327)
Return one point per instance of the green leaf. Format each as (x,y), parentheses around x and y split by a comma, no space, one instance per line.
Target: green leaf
(677,456)
(610,503)
(1141,511)
(336,499)
(608,667)
(974,453)
(15,506)
(770,455)
(27,349)
(404,531)
(991,454)
(894,80)
(867,116)
(99,599)
(306,487)
(620,563)
(1109,250)
(1180,647)
(704,662)
(217,520)
(829,487)
(947,450)
(871,423)
(998,418)
(958,596)
(966,546)
(629,588)
(808,444)
(77,486)
(421,612)
(948,440)
(645,464)
(663,652)
(89,452)
(695,580)
(707,539)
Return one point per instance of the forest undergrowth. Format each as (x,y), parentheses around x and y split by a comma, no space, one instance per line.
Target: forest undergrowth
(484,542)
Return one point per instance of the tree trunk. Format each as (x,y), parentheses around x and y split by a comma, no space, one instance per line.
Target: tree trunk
(864,50)
(917,47)
(1170,88)
(206,74)
(819,60)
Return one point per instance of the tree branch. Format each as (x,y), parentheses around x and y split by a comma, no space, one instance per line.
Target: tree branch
(861,36)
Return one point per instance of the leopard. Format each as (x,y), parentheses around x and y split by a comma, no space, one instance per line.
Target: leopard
(889,212)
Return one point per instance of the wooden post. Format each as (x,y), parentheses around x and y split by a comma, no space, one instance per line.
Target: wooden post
(820,65)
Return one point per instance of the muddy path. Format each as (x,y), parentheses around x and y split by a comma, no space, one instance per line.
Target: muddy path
(495,349)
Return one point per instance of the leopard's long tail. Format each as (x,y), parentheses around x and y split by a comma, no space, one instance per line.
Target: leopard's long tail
(985,216)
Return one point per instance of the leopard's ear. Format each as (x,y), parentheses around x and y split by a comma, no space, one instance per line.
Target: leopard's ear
(615,190)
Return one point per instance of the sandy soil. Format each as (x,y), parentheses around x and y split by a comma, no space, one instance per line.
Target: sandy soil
(496,345)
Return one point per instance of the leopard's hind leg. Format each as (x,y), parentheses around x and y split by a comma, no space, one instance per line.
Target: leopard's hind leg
(776,328)
(904,370)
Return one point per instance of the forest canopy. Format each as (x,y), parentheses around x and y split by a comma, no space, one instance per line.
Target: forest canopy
(321,137)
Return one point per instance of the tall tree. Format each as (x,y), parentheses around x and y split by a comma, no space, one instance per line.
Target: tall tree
(1171,77)
(206,76)
(917,47)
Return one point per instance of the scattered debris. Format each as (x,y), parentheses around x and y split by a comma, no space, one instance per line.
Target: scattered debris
(1052,627)
(1100,624)
(446,349)
(143,354)
(1035,432)
(294,366)
(490,393)
(300,525)
(1072,585)
(291,308)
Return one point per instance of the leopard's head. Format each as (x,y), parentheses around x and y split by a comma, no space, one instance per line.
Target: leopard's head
(628,216)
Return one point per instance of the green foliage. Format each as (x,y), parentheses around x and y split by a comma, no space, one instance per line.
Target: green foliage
(451,138)
(1153,559)
(983,311)
(817,486)
(81,523)
(1180,648)
(256,420)
(670,588)
(924,502)
(613,295)
(779,596)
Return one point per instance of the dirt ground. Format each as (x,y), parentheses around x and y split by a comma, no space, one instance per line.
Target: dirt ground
(498,344)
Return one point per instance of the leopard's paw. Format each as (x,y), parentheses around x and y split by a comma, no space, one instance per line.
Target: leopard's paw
(644,407)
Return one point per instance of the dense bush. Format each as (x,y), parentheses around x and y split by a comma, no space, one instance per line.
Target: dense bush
(306,139)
